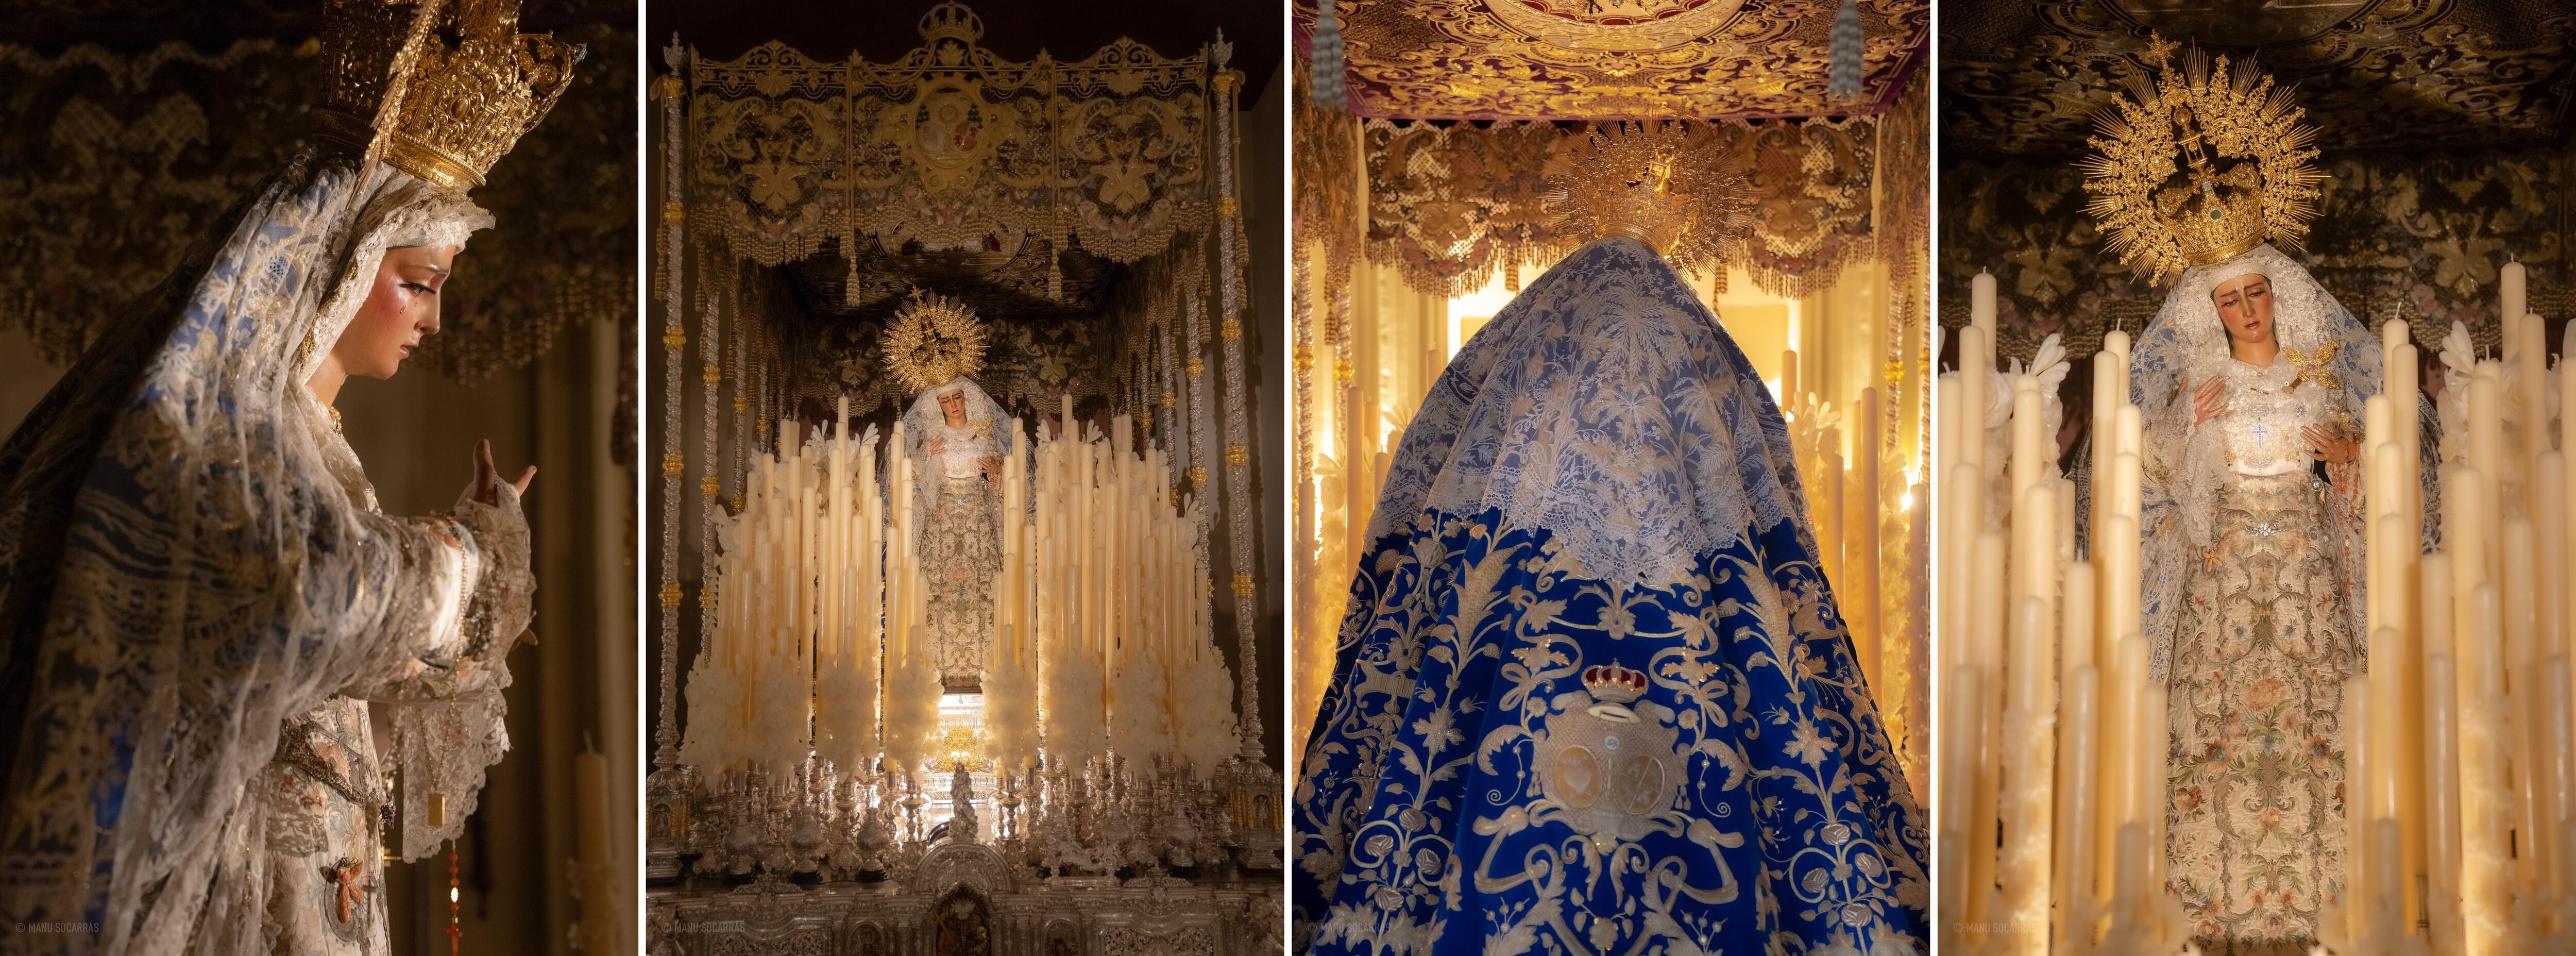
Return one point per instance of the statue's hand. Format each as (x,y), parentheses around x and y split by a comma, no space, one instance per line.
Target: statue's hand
(2210,400)
(2329,449)
(487,479)
(992,467)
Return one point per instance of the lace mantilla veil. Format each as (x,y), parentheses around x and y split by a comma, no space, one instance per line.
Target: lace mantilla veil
(924,421)
(189,556)
(2178,492)
(1592,693)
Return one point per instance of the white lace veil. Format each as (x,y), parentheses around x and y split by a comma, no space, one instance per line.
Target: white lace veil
(2186,343)
(925,420)
(182,568)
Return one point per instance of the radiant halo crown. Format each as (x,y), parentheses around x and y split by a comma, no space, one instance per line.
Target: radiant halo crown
(1646,181)
(2201,164)
(932,340)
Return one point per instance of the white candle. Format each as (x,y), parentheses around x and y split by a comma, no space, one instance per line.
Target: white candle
(1975,369)
(1981,300)
(2441,734)
(2025,802)
(2359,805)
(1985,632)
(2486,888)
(2510,292)
(2154,736)
(1961,730)
(2078,805)
(2548,515)
(2486,454)
(2521,681)
(1788,378)
(1863,557)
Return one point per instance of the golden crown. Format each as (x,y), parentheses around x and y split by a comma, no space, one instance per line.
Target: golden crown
(933,339)
(2198,167)
(1613,683)
(440,89)
(1647,181)
(951,21)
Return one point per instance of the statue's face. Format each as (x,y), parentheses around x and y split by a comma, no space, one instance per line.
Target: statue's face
(401,309)
(2245,307)
(952,403)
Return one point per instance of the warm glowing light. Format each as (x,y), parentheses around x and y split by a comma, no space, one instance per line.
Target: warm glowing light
(1905,502)
(451,894)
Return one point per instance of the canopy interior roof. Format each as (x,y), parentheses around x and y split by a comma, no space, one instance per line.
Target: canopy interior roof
(2026,76)
(51,25)
(1615,59)
(997,285)
(883,30)
(1009,278)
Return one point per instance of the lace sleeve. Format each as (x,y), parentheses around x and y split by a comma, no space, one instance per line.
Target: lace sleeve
(2177,494)
(2348,523)
(446,702)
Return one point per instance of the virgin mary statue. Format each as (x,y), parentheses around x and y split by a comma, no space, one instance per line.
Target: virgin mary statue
(1593,695)
(2252,380)
(200,604)
(956,450)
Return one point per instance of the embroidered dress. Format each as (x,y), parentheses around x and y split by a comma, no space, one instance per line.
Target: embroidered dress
(960,538)
(2252,602)
(2255,837)
(1593,695)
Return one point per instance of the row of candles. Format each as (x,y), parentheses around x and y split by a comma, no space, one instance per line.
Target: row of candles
(1845,505)
(2042,659)
(1100,632)
(1850,506)
(2459,741)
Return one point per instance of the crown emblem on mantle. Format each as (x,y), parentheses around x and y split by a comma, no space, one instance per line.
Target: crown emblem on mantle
(1614,684)
(440,89)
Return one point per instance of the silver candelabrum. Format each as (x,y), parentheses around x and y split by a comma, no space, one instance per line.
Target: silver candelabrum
(1060,816)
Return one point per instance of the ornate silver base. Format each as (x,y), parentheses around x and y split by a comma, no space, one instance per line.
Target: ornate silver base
(962,899)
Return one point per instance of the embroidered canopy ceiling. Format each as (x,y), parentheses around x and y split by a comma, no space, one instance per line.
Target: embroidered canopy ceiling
(1450,204)
(952,148)
(1614,59)
(2026,76)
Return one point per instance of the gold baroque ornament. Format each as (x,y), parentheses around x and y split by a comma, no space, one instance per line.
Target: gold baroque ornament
(932,340)
(1448,206)
(951,147)
(1629,59)
(1645,182)
(2245,174)
(442,113)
